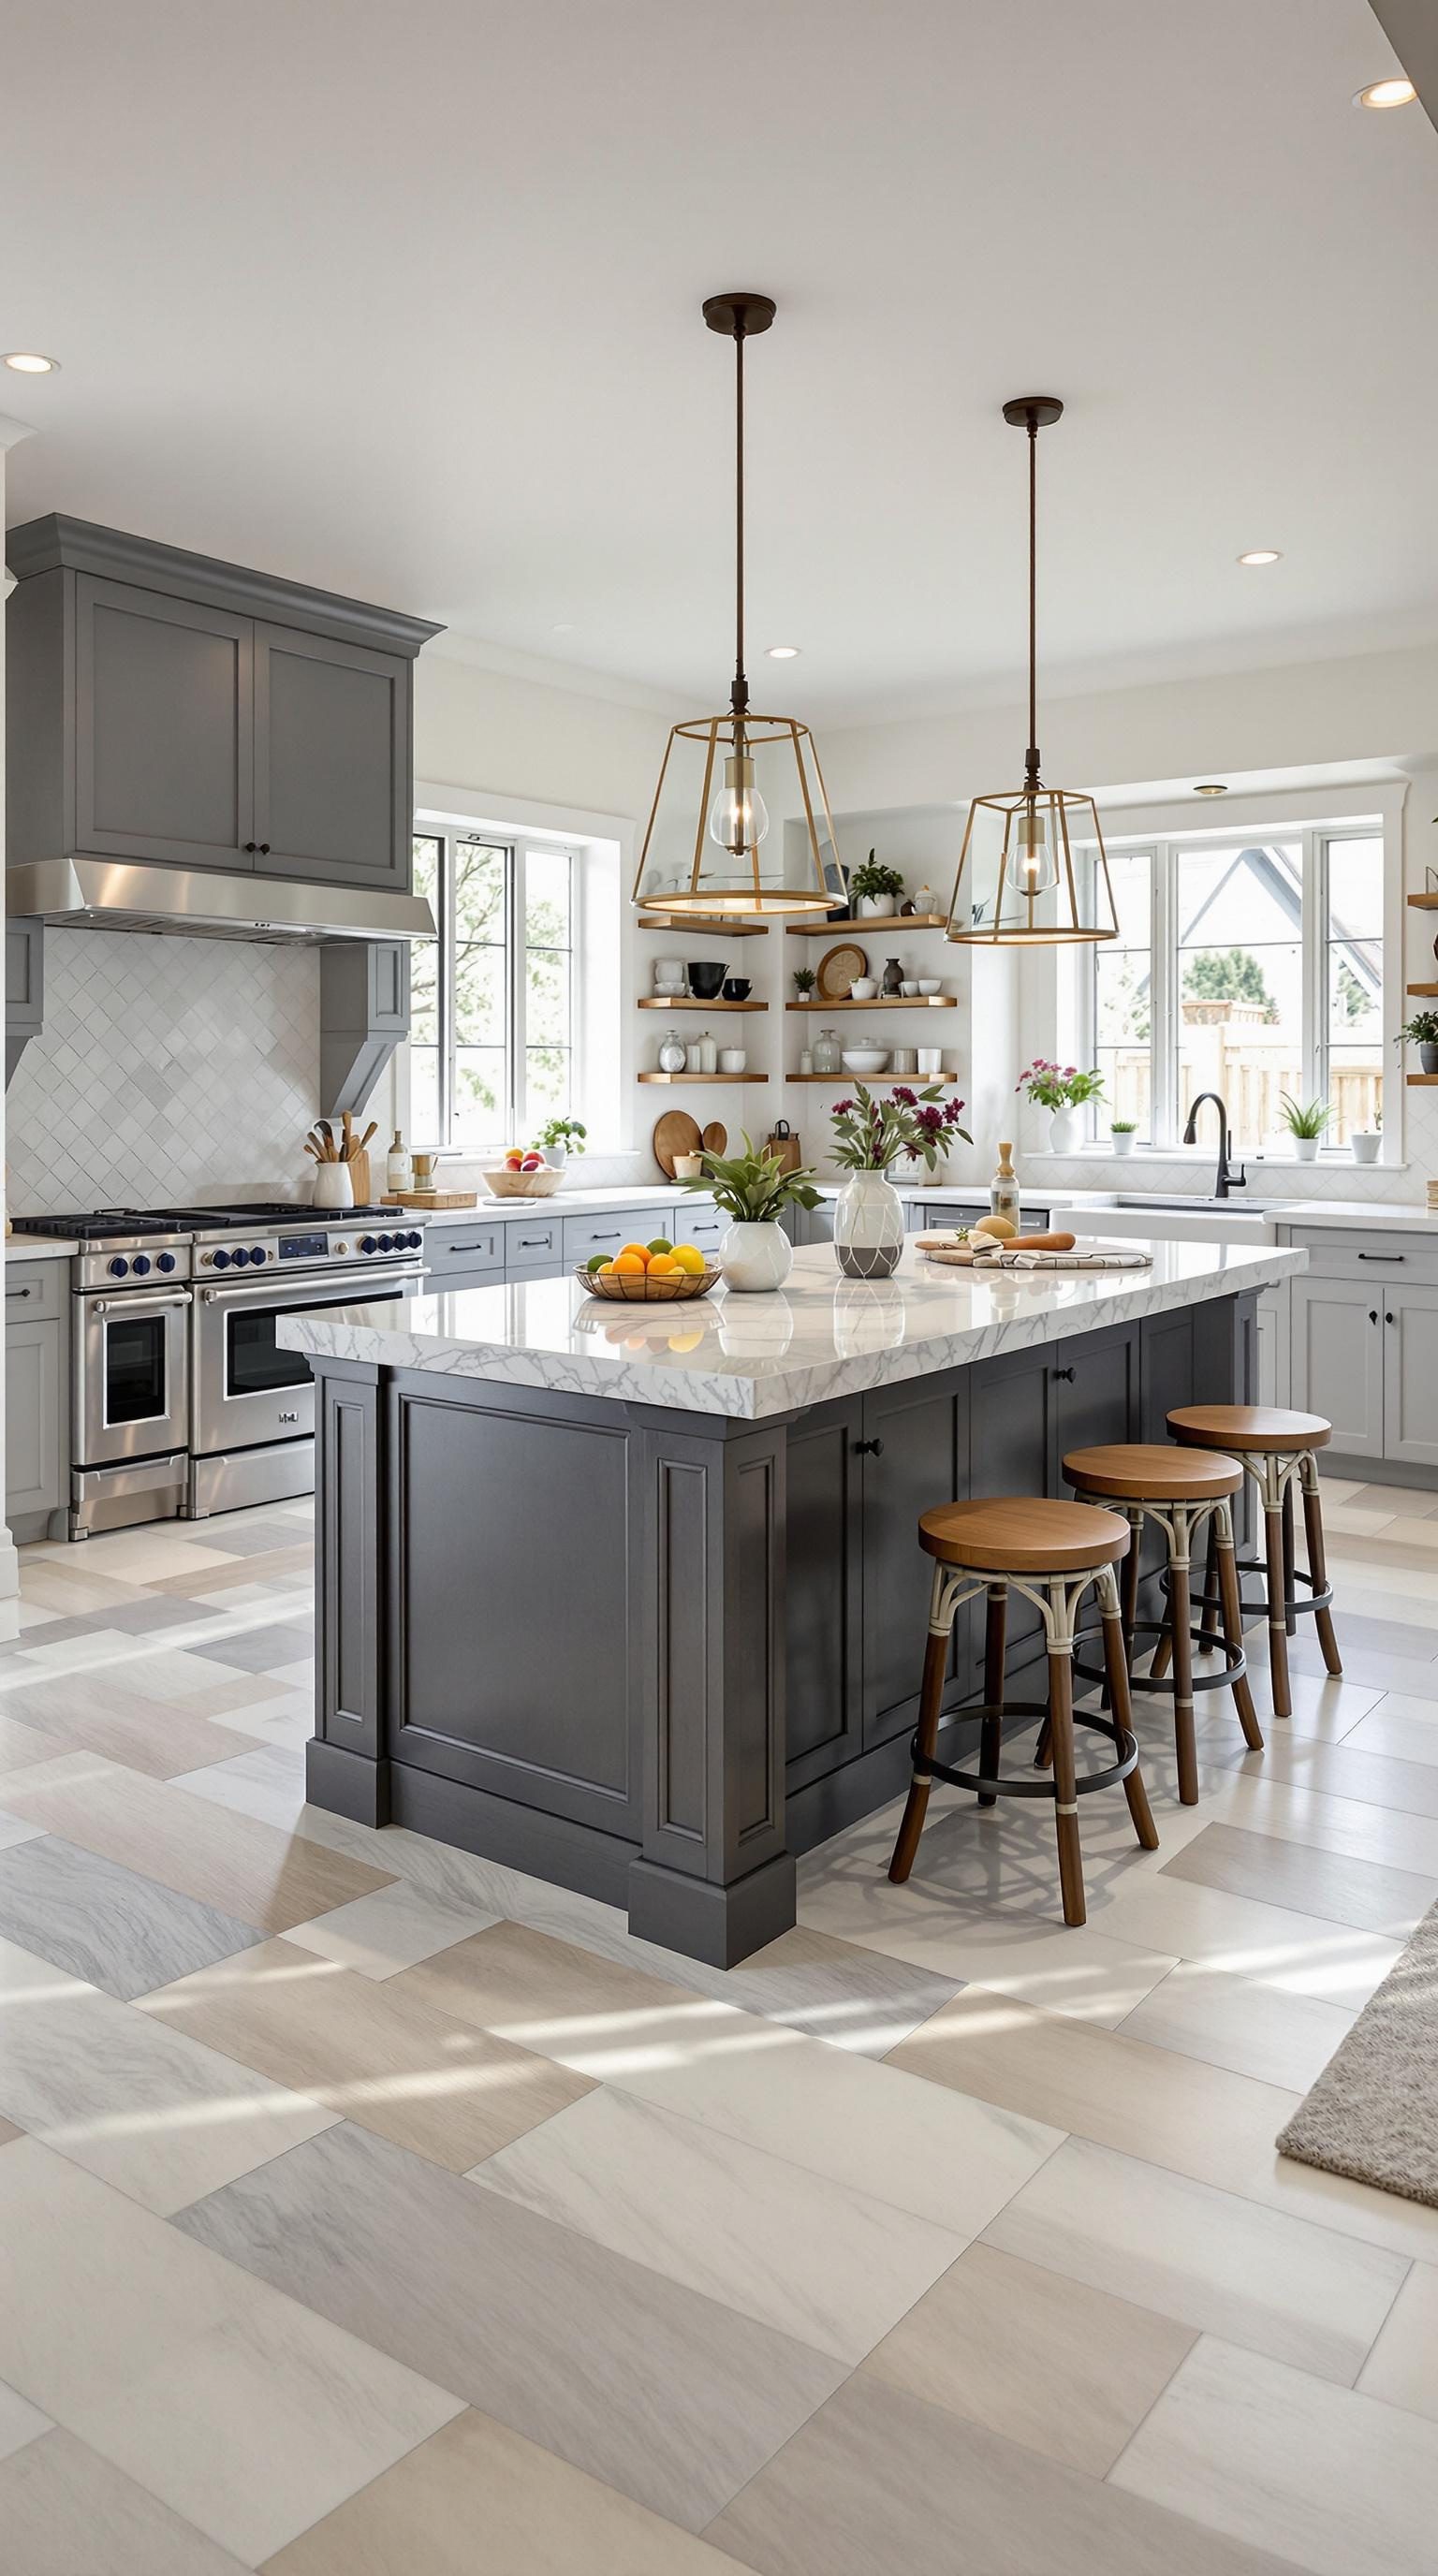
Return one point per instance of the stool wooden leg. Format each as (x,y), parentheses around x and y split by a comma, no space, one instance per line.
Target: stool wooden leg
(931,1701)
(1277,1615)
(1061,1720)
(1290,1613)
(1233,1622)
(1318,1564)
(1181,1637)
(1116,1666)
(992,1729)
(1212,1603)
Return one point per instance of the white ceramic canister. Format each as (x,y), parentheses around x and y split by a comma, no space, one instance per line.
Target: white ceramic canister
(334,1186)
(732,1060)
(708,1053)
(931,1061)
(904,1060)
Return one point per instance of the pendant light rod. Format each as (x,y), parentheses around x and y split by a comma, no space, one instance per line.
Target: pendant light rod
(1033,412)
(739,318)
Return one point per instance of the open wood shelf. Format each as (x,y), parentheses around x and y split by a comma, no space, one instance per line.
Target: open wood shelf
(885,1002)
(1413,1079)
(1424,902)
(691,1002)
(697,1081)
(880,1081)
(672,921)
(1420,988)
(872,921)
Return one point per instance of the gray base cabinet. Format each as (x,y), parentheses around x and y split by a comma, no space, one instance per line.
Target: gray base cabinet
(1338,1357)
(1364,1333)
(37,1397)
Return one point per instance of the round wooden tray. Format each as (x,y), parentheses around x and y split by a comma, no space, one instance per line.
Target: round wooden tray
(647,1292)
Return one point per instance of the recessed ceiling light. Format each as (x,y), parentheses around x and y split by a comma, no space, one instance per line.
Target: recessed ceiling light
(784,652)
(28,362)
(1262,555)
(1397,92)
(1211,787)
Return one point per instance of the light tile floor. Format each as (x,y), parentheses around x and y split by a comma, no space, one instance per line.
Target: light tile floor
(359,2198)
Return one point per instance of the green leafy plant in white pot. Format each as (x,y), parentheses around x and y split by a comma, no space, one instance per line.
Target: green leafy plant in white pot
(1422,1032)
(1365,1142)
(874,889)
(1121,1134)
(1306,1123)
(753,1190)
(558,1138)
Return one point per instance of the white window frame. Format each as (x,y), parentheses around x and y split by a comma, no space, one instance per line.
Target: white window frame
(1163,851)
(517,850)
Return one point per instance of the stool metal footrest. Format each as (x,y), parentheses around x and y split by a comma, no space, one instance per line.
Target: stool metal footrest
(1006,1787)
(1317,1598)
(1234,1668)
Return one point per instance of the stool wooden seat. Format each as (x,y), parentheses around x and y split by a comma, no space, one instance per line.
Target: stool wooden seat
(1051,1552)
(1277,1449)
(1178,1491)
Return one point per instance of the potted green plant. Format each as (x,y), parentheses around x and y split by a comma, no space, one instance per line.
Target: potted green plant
(869,1137)
(874,889)
(1061,1089)
(1422,1031)
(558,1138)
(805,980)
(753,1189)
(1121,1133)
(1306,1124)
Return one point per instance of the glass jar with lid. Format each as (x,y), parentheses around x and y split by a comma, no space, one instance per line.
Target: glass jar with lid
(671,1052)
(828,1054)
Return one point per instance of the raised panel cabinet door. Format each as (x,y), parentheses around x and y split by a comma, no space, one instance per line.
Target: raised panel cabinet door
(332,759)
(164,728)
(37,1461)
(1410,1375)
(823,1543)
(911,1465)
(1338,1336)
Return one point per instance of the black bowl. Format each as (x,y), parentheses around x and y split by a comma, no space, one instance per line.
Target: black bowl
(737,988)
(706,974)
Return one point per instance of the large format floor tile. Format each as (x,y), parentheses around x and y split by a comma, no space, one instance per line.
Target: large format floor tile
(1328,2480)
(1364,1893)
(108,1925)
(1042,2359)
(393,1929)
(879,2482)
(1302,1954)
(66,2512)
(1234,2021)
(1403,2365)
(367,2050)
(1216,2262)
(664,2394)
(831,2266)
(144,2107)
(478,2495)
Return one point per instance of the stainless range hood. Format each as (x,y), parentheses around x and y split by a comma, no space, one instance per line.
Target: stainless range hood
(205,903)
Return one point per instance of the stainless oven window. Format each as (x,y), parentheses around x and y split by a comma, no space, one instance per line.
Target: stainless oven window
(255,1363)
(136,1368)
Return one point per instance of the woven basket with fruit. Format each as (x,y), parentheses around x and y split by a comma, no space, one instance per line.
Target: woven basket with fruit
(648,1274)
(522,1176)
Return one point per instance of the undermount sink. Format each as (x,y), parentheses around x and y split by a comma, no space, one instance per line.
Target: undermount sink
(1210,1206)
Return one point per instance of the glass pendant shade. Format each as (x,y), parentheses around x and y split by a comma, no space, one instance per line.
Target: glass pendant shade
(712,846)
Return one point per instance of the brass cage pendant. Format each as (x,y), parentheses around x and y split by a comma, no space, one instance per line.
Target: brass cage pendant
(1015,917)
(790,879)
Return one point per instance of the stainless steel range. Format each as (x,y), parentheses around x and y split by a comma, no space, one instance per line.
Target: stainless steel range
(184,1402)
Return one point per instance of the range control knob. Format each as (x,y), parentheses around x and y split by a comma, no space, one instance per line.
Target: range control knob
(165,1262)
(386,1243)
(407,1242)
(222,1261)
(259,1256)
(240,1258)
(119,1269)
(340,1251)
(368,1243)
(141,1265)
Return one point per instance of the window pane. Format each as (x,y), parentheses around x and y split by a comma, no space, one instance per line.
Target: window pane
(1240,982)
(1122,986)
(546,898)
(424,1127)
(1353,967)
(479,996)
(479,870)
(480,1109)
(547,1075)
(424,955)
(546,1005)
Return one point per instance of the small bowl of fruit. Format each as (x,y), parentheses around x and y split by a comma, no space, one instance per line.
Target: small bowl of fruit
(648,1274)
(522,1175)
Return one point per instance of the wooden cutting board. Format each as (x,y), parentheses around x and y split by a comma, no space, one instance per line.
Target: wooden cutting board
(715,1139)
(675,1133)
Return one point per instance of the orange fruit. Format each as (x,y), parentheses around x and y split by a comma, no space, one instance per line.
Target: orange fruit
(629,1265)
(690,1259)
(634,1252)
(664,1266)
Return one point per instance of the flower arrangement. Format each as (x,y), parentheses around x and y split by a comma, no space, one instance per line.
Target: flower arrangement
(1058,1086)
(752,1187)
(869,1136)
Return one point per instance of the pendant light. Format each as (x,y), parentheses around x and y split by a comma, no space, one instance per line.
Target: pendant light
(712,848)
(1024,892)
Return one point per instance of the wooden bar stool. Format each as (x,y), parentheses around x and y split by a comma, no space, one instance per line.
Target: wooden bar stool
(1051,1553)
(1277,1450)
(1179,1492)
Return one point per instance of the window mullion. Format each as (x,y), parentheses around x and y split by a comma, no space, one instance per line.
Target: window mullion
(515,915)
(1163,983)
(444,989)
(1315,963)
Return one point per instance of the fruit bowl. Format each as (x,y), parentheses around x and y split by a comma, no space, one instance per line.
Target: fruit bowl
(504,1184)
(622,1291)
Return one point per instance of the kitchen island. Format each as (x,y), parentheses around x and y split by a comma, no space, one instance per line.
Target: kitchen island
(629,1597)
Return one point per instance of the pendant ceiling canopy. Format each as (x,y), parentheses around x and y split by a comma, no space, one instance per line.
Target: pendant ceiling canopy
(717,841)
(1033,872)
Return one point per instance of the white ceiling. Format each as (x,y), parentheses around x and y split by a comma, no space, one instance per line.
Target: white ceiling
(403,299)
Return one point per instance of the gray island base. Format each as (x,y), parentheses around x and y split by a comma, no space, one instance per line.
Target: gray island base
(629,1598)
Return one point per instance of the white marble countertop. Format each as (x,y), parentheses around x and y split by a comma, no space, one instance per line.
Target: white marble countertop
(563,1202)
(754,1356)
(38,1247)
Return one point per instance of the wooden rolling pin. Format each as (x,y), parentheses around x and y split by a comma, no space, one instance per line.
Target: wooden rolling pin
(1023,1242)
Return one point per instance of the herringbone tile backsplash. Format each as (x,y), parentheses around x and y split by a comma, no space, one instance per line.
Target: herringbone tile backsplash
(168,1070)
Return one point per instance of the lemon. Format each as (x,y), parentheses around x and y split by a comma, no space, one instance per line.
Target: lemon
(997,1228)
(690,1259)
(661,1243)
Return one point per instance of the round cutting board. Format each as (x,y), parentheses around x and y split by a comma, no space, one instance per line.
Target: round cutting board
(675,1133)
(716,1137)
(838,969)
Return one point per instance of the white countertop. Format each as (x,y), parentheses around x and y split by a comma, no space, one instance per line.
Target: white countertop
(562,1202)
(753,1356)
(38,1247)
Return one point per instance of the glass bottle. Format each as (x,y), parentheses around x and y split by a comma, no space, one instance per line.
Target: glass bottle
(1004,1187)
(398,1169)
(671,1052)
(708,1053)
(828,1054)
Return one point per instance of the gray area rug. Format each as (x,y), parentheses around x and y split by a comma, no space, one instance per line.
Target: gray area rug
(1373,2113)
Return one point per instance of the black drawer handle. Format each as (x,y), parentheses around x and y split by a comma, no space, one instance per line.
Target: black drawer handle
(1382,1256)
(17,1292)
(1372,1314)
(252,845)
(264,849)
(868,1448)
(535,1242)
(1066,1374)
(605,1238)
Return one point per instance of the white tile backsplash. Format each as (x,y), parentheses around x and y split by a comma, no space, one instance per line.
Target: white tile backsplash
(168,1070)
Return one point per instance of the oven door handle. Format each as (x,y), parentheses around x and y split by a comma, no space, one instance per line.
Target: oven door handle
(276,1290)
(138,1305)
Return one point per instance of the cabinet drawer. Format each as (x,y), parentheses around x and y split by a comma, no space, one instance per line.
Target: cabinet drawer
(1374,1257)
(586,1234)
(34,1288)
(703,1225)
(474,1248)
(533,1243)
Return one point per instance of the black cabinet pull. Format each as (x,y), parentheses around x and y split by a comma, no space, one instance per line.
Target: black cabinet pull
(1372,1313)
(1065,1373)
(264,849)
(868,1448)
(1388,1318)
(1382,1256)
(252,845)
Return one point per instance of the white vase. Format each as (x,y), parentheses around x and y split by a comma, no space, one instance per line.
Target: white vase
(877,907)
(1063,1131)
(1365,1142)
(1121,1140)
(556,1156)
(755,1255)
(1306,1148)
(334,1186)
(868,1226)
